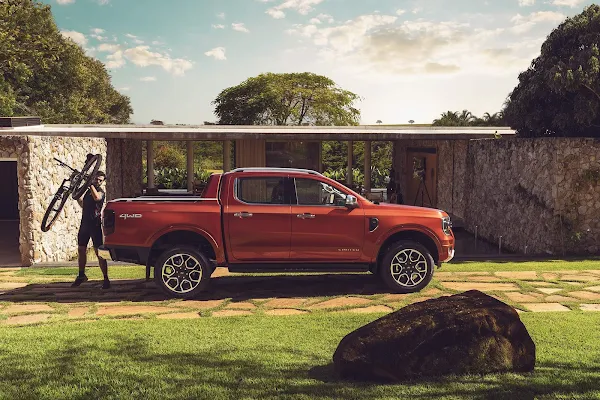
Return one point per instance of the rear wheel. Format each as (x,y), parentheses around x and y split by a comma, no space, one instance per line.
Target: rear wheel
(54,209)
(182,272)
(407,267)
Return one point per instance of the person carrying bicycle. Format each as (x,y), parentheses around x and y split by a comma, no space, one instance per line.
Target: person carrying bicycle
(91,228)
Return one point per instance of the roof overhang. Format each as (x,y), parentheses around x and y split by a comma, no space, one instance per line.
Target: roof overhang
(234,132)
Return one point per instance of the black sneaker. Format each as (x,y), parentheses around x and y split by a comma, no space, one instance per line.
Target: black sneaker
(106,284)
(79,280)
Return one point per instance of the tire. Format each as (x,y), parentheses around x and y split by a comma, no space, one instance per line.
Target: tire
(79,187)
(52,213)
(420,272)
(172,284)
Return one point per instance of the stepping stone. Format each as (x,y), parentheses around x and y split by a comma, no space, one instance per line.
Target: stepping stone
(550,276)
(12,285)
(126,310)
(21,308)
(471,273)
(442,274)
(592,271)
(506,287)
(341,302)
(78,312)
(188,315)
(579,278)
(284,303)
(546,307)
(522,275)
(561,299)
(395,297)
(200,304)
(371,309)
(483,278)
(231,313)
(549,290)
(433,291)
(542,283)
(593,288)
(241,306)
(522,298)
(590,307)
(27,319)
(585,295)
(285,311)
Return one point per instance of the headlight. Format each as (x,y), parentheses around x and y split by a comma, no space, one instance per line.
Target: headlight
(446,225)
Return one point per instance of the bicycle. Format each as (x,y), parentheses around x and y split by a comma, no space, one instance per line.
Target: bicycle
(75,186)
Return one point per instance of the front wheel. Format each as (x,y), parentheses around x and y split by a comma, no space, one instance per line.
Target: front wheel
(83,180)
(407,267)
(54,208)
(182,272)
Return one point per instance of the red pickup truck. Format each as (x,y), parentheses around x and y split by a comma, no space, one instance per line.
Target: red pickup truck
(275,219)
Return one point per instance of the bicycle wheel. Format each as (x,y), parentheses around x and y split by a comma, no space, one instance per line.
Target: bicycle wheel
(55,207)
(83,180)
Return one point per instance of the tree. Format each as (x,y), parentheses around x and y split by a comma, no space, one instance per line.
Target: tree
(44,74)
(411,121)
(559,94)
(466,118)
(286,99)
(379,121)
(156,122)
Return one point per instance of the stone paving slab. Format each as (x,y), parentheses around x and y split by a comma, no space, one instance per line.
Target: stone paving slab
(26,308)
(590,307)
(580,278)
(523,298)
(27,319)
(585,295)
(341,302)
(285,311)
(463,286)
(128,310)
(284,303)
(231,313)
(521,275)
(593,288)
(189,315)
(549,290)
(546,307)
(241,306)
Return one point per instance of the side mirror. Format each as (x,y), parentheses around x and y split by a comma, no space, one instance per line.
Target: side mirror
(351,201)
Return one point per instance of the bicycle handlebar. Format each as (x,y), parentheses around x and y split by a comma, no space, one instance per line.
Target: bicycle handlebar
(65,165)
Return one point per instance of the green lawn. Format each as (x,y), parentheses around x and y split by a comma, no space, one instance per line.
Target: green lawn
(138,272)
(265,357)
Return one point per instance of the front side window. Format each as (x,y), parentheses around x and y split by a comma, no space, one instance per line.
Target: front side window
(261,190)
(311,192)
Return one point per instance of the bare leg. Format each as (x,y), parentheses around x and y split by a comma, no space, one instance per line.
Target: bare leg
(82,252)
(104,269)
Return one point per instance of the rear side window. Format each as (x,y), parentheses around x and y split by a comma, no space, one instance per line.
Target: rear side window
(261,190)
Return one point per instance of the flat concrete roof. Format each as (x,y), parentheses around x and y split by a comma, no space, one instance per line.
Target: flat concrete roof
(233,132)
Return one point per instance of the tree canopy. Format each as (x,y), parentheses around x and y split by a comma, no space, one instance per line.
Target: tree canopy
(559,94)
(44,74)
(286,99)
(466,118)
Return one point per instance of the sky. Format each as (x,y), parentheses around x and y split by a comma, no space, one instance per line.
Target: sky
(406,59)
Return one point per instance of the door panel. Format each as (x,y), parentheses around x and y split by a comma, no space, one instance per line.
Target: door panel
(259,220)
(421,165)
(322,231)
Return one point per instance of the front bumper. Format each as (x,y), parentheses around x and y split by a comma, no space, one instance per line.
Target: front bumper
(104,253)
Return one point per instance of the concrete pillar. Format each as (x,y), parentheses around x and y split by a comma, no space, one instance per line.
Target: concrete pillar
(226,155)
(367,167)
(150,163)
(350,162)
(190,165)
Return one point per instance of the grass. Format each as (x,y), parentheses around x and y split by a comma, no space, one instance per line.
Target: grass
(139,272)
(265,357)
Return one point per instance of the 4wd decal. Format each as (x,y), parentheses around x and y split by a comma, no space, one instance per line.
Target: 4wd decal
(129,216)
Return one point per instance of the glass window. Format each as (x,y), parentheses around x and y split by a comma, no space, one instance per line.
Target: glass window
(311,192)
(267,190)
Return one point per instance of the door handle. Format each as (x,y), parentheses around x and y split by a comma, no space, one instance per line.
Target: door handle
(305,215)
(243,214)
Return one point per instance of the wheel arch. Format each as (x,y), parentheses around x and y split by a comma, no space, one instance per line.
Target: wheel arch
(409,234)
(179,237)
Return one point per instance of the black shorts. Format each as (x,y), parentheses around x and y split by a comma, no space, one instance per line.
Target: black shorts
(90,230)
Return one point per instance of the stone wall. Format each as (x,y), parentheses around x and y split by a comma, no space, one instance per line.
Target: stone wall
(540,196)
(42,177)
(543,193)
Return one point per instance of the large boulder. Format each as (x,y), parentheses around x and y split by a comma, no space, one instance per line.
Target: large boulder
(469,332)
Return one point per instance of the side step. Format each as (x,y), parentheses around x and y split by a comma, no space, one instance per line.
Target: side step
(298,267)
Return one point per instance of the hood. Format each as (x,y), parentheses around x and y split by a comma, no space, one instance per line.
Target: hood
(406,209)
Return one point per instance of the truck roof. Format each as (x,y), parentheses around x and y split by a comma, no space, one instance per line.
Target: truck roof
(276,169)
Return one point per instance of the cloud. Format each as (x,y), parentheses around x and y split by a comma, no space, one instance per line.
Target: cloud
(109,47)
(143,57)
(221,15)
(526,3)
(98,31)
(523,24)
(400,12)
(218,53)
(384,45)
(568,3)
(75,36)
(148,79)
(239,27)
(65,2)
(322,18)
(218,26)
(103,2)
(300,6)
(135,39)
